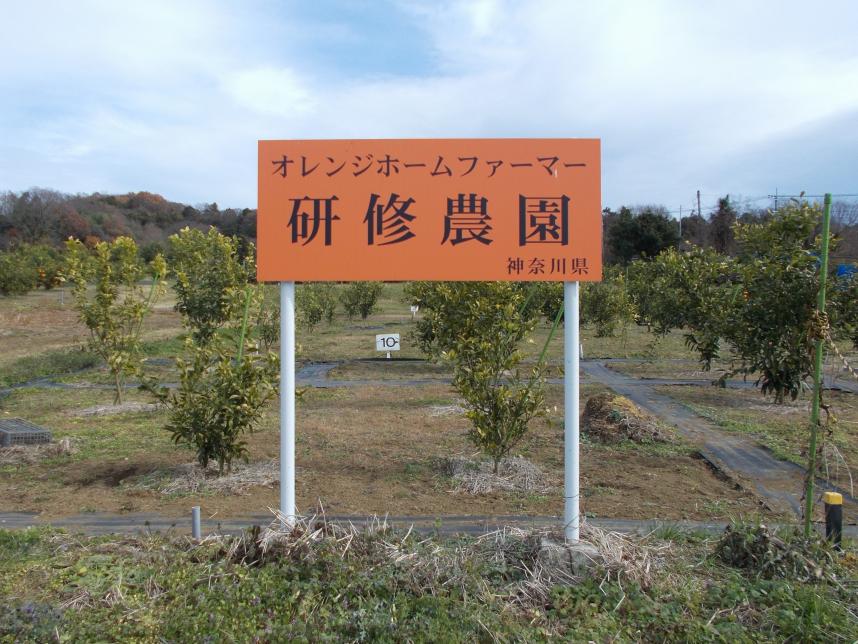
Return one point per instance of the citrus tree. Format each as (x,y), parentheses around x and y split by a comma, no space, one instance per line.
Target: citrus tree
(17,275)
(691,291)
(478,328)
(114,309)
(444,319)
(361,298)
(30,266)
(48,265)
(607,305)
(771,328)
(224,385)
(208,272)
(314,302)
(843,308)
(761,304)
(268,318)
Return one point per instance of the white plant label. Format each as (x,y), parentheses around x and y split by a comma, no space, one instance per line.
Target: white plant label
(387,342)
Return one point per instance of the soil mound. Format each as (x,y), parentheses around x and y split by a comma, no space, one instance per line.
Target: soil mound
(609,418)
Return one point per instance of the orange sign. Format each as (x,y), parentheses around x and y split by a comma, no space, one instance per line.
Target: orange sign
(430,209)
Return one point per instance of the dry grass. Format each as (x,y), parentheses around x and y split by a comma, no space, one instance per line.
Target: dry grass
(516,474)
(438,411)
(610,418)
(124,408)
(29,454)
(432,565)
(190,478)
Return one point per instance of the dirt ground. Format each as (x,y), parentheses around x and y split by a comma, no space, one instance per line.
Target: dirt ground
(362,450)
(41,321)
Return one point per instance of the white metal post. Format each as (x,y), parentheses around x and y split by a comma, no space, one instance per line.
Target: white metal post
(287,402)
(196,532)
(571,470)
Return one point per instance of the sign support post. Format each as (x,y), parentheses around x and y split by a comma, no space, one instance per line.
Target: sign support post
(571,439)
(287,403)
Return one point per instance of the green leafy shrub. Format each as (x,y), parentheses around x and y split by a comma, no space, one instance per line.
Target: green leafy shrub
(607,304)
(314,302)
(361,298)
(29,266)
(224,385)
(115,310)
(691,291)
(477,327)
(219,399)
(208,272)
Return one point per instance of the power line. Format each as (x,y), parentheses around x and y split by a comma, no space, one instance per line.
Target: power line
(804,196)
(744,201)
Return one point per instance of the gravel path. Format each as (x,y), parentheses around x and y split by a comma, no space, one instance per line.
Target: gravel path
(778,482)
(95,523)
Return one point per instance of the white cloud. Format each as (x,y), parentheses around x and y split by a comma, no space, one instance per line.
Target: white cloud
(172,97)
(278,91)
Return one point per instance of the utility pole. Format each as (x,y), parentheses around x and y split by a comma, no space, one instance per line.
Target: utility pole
(699,211)
(680,226)
(775,197)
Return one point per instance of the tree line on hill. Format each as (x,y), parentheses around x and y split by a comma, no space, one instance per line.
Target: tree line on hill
(49,218)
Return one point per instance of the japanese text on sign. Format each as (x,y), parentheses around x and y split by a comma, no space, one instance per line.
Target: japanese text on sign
(482,209)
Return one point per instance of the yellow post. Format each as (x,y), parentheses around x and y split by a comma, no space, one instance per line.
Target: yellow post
(833,517)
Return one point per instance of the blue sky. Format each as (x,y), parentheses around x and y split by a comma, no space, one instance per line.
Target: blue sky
(171,97)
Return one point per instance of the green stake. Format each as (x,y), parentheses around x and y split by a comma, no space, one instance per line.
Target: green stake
(817,371)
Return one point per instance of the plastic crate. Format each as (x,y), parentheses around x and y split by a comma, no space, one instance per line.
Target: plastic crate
(17,431)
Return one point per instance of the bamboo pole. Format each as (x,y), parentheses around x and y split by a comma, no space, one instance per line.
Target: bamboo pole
(817,371)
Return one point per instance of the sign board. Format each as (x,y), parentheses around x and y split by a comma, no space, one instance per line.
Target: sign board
(387,342)
(430,209)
